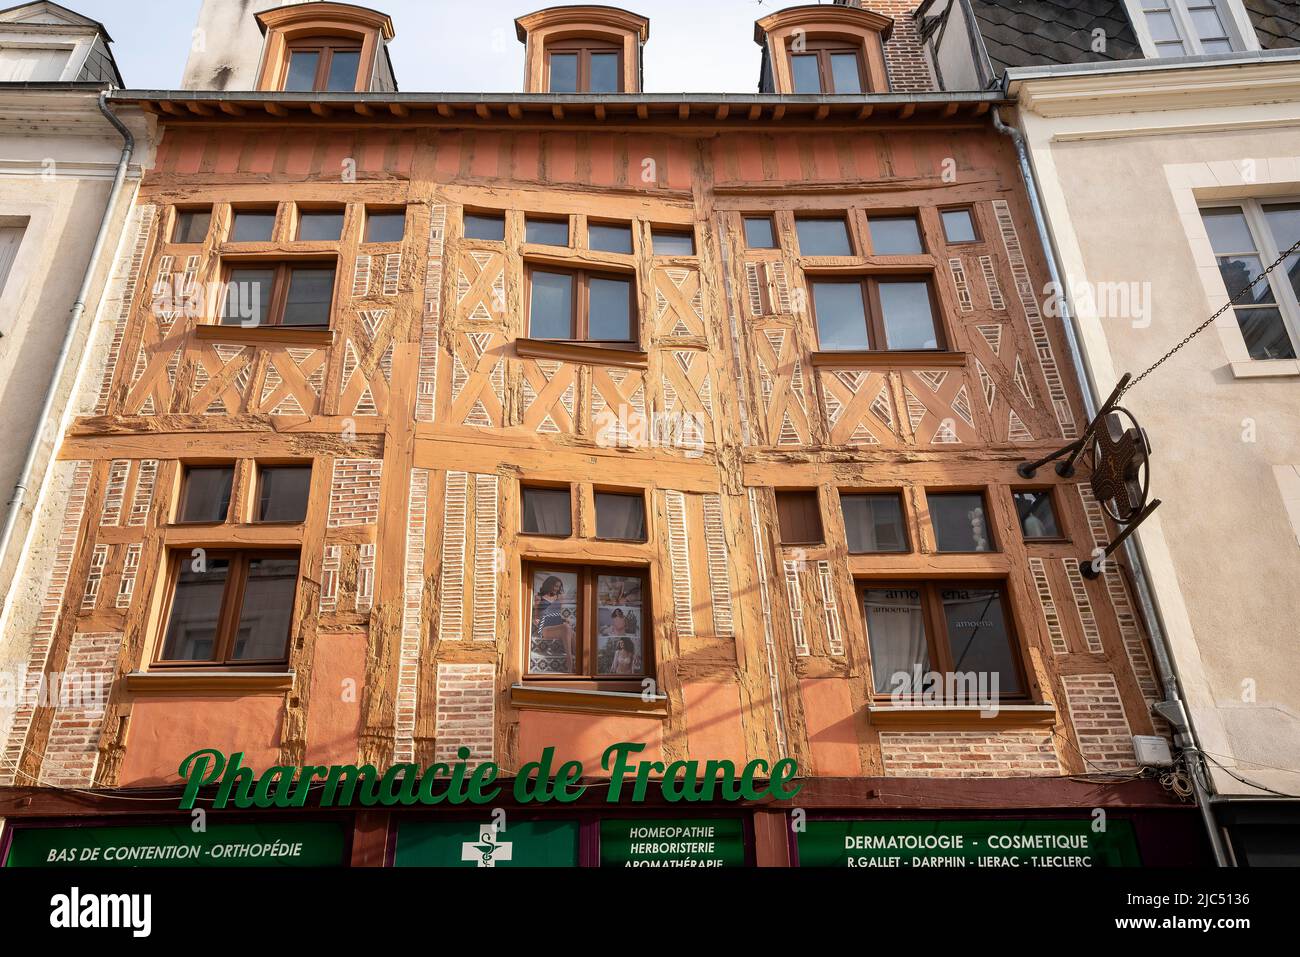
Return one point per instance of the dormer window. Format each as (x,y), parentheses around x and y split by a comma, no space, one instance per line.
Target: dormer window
(325,48)
(823,49)
(582,49)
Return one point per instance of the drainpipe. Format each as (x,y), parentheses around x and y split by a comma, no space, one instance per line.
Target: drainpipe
(1171,708)
(27,475)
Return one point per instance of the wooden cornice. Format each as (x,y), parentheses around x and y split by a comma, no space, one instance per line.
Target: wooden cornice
(579,701)
(264,335)
(579,352)
(190,683)
(888,359)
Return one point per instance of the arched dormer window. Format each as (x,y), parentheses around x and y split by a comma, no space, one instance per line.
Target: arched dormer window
(582,49)
(325,48)
(824,49)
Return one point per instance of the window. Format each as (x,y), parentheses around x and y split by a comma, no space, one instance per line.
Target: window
(952,628)
(323,65)
(232,609)
(960,522)
(874,523)
(827,66)
(279,295)
(1188,27)
(580,306)
(547,511)
(547,232)
(620,516)
(1037,515)
(610,237)
(11,238)
(900,317)
(385,225)
(585,66)
(588,622)
(253,226)
(673,242)
(959,226)
(191,226)
(895,236)
(489,226)
(1245,237)
(759,233)
(823,236)
(282,492)
(799,515)
(320,225)
(205,494)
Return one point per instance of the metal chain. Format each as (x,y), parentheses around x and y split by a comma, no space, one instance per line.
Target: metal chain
(1209,322)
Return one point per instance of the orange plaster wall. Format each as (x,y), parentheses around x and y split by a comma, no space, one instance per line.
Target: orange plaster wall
(828,712)
(333,723)
(584,737)
(164,730)
(713,727)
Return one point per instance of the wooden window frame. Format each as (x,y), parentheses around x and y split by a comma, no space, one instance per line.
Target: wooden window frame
(325,209)
(909,542)
(587,645)
(937,639)
(840,217)
(1061,537)
(617,224)
(228,620)
(598,491)
(913,215)
(186,468)
(530,219)
(580,314)
(326,47)
(279,289)
(974,225)
(995,546)
(373,211)
(821,519)
(584,47)
(546,487)
(678,231)
(255,493)
(823,49)
(875,318)
(182,211)
(771,222)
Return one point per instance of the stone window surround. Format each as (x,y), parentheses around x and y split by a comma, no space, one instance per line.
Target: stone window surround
(1194,185)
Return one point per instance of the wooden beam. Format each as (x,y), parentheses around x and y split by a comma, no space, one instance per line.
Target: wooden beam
(199,108)
(778,111)
(323,110)
(822,112)
(516,112)
(723,110)
(557,111)
(950,110)
(170,107)
(600,112)
(866,111)
(484,113)
(398,109)
(642,111)
(684,111)
(755,111)
(445,111)
(907,110)
(275,109)
(233,109)
(363,109)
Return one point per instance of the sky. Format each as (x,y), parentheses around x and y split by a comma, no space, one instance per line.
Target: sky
(459,46)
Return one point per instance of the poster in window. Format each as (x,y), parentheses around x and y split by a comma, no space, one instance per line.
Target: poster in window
(552,640)
(619,642)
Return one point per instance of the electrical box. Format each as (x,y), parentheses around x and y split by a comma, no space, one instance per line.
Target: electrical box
(1152,751)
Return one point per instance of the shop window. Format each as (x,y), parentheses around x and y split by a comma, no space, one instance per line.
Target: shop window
(823,236)
(279,294)
(874,524)
(487,226)
(1037,515)
(799,516)
(759,233)
(584,66)
(546,511)
(581,306)
(205,494)
(959,226)
(547,232)
(610,237)
(320,225)
(874,313)
(229,609)
(960,522)
(385,225)
(895,236)
(253,226)
(588,622)
(282,492)
(1245,237)
(673,242)
(826,66)
(191,227)
(620,516)
(949,628)
(323,65)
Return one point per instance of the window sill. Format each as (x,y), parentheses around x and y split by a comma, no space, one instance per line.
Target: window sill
(940,716)
(583,701)
(885,358)
(235,683)
(579,352)
(1265,368)
(263,335)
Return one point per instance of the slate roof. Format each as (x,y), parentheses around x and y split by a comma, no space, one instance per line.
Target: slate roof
(1046,32)
(1277,22)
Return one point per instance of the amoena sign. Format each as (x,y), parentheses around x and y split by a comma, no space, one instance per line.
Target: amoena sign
(343,785)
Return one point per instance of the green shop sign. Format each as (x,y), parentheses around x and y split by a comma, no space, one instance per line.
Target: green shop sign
(471,844)
(967,844)
(702,843)
(175,845)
